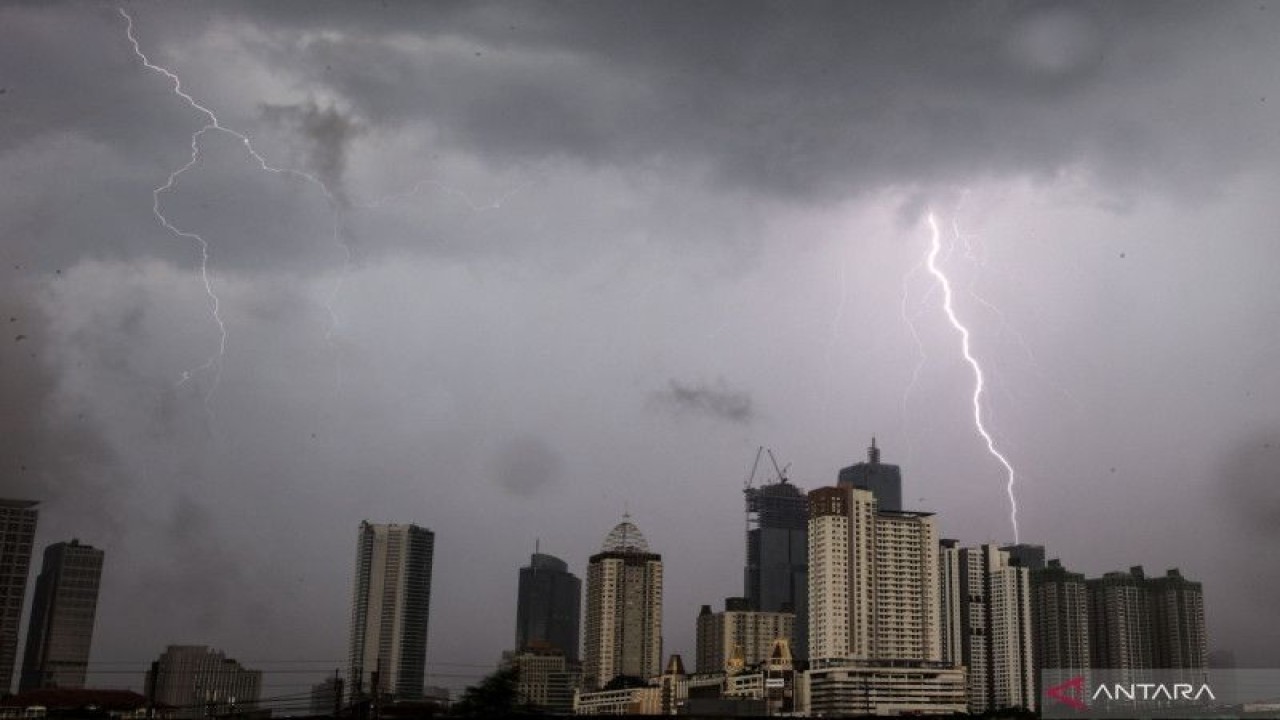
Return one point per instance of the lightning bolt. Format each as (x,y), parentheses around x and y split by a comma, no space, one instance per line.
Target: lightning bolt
(931,261)
(213,124)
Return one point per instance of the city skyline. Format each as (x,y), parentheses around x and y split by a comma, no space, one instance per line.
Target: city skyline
(525,267)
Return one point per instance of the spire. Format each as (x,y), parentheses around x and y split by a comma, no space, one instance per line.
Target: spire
(873,452)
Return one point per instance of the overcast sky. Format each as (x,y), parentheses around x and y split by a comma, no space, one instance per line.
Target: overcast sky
(541,263)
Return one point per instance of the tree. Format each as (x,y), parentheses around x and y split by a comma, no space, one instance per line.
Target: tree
(495,696)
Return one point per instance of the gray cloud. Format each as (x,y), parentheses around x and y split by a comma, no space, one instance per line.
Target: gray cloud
(527,465)
(718,400)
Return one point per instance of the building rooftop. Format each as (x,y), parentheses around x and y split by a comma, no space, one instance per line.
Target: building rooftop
(625,537)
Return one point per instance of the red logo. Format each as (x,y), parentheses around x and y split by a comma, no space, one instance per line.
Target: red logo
(1070,693)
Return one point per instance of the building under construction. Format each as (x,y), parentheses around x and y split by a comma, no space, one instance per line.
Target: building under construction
(777,572)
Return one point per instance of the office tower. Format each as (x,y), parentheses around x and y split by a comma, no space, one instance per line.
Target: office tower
(1060,612)
(1025,555)
(62,616)
(1178,638)
(17,534)
(777,572)
(884,481)
(547,610)
(1119,620)
(198,682)
(986,607)
(624,609)
(390,605)
(738,631)
(873,580)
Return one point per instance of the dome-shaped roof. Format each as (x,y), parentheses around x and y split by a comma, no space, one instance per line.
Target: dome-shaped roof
(625,537)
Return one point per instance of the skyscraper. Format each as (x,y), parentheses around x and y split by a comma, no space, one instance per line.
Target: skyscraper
(1177,622)
(777,572)
(873,580)
(1060,611)
(17,534)
(390,605)
(547,610)
(986,606)
(875,640)
(624,609)
(883,480)
(62,617)
(1119,621)
(199,682)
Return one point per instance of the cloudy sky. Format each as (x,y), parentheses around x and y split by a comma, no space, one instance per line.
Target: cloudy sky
(528,265)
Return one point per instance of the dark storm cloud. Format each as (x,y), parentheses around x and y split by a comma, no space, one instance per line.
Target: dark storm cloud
(527,465)
(50,449)
(328,133)
(717,401)
(823,98)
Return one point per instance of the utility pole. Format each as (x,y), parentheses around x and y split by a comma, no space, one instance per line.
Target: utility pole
(376,682)
(337,693)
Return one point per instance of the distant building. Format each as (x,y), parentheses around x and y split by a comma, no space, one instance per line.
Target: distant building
(624,609)
(1119,621)
(547,609)
(545,680)
(777,572)
(325,696)
(883,480)
(198,682)
(1060,612)
(62,617)
(986,608)
(1025,555)
(739,633)
(17,535)
(390,605)
(1177,622)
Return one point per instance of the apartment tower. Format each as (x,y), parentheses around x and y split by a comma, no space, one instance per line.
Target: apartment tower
(624,609)
(986,609)
(390,605)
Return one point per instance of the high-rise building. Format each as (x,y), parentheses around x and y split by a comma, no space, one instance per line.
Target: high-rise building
(1177,622)
(390,605)
(547,610)
(1119,621)
(198,682)
(777,572)
(873,580)
(883,480)
(740,633)
(17,535)
(62,617)
(986,609)
(624,609)
(1060,613)
(1026,555)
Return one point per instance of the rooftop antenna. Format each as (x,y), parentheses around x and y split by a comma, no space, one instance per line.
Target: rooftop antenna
(873,452)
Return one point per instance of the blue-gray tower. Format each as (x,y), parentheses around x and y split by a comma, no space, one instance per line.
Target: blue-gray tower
(883,480)
(547,613)
(777,573)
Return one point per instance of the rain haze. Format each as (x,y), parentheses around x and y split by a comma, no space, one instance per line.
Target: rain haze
(535,264)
